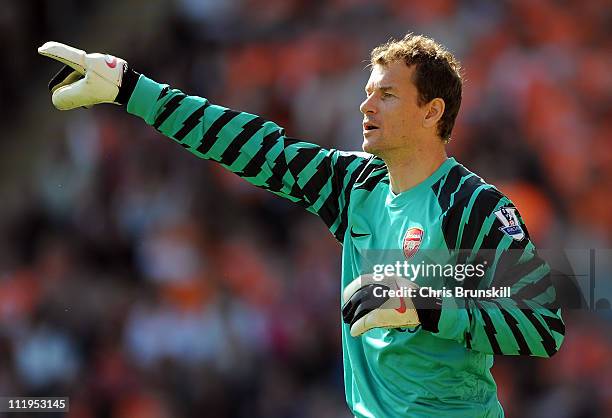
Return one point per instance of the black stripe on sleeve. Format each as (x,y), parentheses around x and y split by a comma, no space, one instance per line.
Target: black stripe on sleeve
(287,140)
(313,186)
(453,216)
(490,331)
(451,182)
(323,172)
(451,223)
(512,323)
(163,93)
(210,136)
(481,210)
(254,166)
(507,266)
(548,342)
(436,187)
(532,290)
(279,168)
(232,152)
(555,324)
(468,335)
(297,192)
(281,164)
(191,122)
(507,274)
(492,239)
(339,234)
(331,208)
(483,206)
(301,159)
(169,108)
(344,161)
(468,187)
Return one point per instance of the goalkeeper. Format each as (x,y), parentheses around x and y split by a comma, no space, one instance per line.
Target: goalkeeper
(404,355)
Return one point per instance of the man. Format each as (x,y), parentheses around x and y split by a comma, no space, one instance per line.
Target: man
(404,354)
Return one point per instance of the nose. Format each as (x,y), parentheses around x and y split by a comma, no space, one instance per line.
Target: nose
(368,105)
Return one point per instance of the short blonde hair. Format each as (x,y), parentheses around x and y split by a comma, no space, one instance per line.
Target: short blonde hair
(437,73)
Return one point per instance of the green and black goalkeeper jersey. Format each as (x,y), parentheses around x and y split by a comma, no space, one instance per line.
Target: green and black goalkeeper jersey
(441,368)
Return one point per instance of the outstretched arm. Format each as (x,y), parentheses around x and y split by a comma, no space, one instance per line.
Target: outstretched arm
(257,150)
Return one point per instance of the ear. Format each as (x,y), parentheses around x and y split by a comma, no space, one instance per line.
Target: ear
(435,110)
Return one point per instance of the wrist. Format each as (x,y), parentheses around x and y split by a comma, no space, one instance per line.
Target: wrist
(429,310)
(128,84)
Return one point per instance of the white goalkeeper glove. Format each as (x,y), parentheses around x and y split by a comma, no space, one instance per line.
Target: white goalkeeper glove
(87,79)
(368,303)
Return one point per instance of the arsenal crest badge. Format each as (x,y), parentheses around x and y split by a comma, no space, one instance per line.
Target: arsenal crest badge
(412,242)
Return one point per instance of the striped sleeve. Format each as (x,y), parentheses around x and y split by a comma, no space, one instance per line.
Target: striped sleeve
(255,149)
(484,227)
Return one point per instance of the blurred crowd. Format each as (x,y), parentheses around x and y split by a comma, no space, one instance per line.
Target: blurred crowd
(143,282)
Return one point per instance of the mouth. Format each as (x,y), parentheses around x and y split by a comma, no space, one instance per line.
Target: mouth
(368,127)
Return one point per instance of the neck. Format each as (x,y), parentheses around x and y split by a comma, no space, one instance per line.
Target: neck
(405,173)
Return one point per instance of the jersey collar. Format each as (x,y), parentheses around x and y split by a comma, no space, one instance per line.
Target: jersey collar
(420,189)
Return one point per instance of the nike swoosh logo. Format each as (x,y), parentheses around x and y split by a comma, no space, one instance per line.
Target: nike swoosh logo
(111,61)
(402,307)
(356,235)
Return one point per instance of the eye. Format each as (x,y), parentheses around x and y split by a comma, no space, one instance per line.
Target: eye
(386,95)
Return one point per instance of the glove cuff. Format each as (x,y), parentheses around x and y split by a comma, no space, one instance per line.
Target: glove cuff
(429,311)
(128,84)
